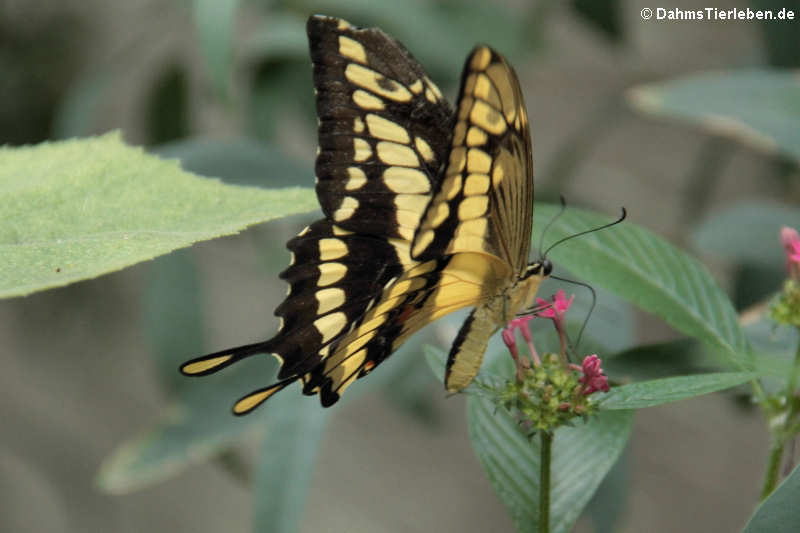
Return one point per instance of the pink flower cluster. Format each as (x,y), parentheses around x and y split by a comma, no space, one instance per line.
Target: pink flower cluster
(791,244)
(593,379)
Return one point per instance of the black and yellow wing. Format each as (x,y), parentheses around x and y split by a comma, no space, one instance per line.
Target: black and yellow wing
(386,145)
(483,207)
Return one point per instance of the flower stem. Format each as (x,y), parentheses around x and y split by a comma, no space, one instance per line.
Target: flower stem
(544,481)
(773,467)
(783,433)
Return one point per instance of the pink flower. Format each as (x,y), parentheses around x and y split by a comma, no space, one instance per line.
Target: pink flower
(511,342)
(557,308)
(593,379)
(791,244)
(509,338)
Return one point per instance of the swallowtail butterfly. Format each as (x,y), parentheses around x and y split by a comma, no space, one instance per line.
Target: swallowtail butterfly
(427,210)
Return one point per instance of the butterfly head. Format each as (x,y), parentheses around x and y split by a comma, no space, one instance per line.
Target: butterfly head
(541,268)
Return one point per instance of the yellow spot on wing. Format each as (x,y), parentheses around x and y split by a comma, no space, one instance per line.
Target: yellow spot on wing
(357,179)
(409,208)
(416,87)
(361,149)
(457,159)
(368,101)
(423,241)
(346,209)
(358,125)
(376,83)
(476,136)
(329,299)
(433,87)
(451,186)
(406,180)
(476,184)
(331,249)
(386,129)
(424,149)
(473,207)
(438,214)
(352,49)
(251,401)
(330,325)
(481,58)
(397,154)
(207,364)
(497,175)
(430,96)
(478,161)
(340,231)
(487,118)
(330,273)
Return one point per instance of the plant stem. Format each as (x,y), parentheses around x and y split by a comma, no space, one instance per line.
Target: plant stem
(782,433)
(773,467)
(544,481)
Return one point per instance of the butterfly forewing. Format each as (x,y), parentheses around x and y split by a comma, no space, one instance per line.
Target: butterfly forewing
(484,201)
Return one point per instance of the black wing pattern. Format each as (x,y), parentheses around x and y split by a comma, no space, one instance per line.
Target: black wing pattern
(384,130)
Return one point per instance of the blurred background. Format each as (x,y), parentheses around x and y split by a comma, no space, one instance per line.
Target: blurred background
(101,433)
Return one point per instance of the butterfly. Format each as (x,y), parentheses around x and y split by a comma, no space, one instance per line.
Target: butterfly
(427,210)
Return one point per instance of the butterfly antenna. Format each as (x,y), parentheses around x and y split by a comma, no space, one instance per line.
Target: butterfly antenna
(592,230)
(553,219)
(591,309)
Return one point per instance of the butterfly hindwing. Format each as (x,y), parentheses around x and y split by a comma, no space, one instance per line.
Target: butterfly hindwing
(484,201)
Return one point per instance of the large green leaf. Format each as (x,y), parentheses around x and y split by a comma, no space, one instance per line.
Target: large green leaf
(779,513)
(649,272)
(173,316)
(666,390)
(582,455)
(195,426)
(239,161)
(77,209)
(747,233)
(291,442)
(760,107)
(215,22)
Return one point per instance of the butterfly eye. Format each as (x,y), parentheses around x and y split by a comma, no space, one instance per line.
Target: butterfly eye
(547,267)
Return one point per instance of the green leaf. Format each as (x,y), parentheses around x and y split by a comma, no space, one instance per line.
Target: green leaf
(779,513)
(652,361)
(605,16)
(436,359)
(610,501)
(167,107)
(582,455)
(780,37)
(666,390)
(78,209)
(648,271)
(195,427)
(283,35)
(288,456)
(173,316)
(215,23)
(747,233)
(238,161)
(760,107)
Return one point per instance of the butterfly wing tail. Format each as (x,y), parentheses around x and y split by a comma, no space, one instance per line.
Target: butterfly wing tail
(214,362)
